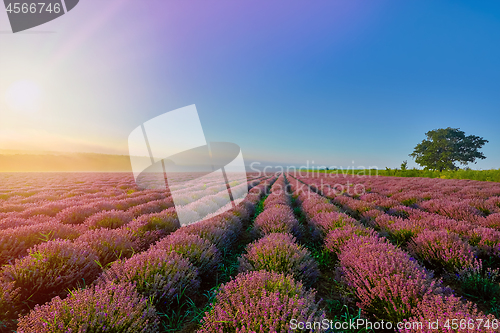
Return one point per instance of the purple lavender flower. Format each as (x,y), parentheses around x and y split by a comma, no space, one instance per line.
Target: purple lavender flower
(50,269)
(108,219)
(444,249)
(200,252)
(103,308)
(279,253)
(156,273)
(261,302)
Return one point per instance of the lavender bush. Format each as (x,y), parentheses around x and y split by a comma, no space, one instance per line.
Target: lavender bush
(151,207)
(149,228)
(487,241)
(492,221)
(388,283)
(444,309)
(279,253)
(313,204)
(157,274)
(443,249)
(15,242)
(15,222)
(223,230)
(165,220)
(200,252)
(108,219)
(9,302)
(102,308)
(338,237)
(108,244)
(244,210)
(278,218)
(277,198)
(76,214)
(398,229)
(325,222)
(50,269)
(261,302)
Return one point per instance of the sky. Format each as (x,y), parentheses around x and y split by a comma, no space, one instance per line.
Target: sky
(341,83)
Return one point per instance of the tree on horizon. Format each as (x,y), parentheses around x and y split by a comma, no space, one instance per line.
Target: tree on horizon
(445,146)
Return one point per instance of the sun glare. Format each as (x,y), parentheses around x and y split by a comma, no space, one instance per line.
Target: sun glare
(24,96)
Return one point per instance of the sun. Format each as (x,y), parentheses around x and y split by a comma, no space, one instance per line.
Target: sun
(24,96)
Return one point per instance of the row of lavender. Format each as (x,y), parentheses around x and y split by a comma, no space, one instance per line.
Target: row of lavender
(389,284)
(60,210)
(22,230)
(90,189)
(75,222)
(426,188)
(53,267)
(441,242)
(86,220)
(477,203)
(28,188)
(270,294)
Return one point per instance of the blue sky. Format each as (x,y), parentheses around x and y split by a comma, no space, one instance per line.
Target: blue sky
(289,81)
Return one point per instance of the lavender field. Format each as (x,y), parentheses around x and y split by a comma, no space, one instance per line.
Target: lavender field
(91,252)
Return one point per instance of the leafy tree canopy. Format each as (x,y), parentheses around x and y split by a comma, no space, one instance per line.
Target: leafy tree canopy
(445,146)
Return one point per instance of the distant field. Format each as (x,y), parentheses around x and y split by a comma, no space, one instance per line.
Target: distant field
(63,162)
(482,175)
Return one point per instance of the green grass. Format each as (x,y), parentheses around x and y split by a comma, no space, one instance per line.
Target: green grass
(492,175)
